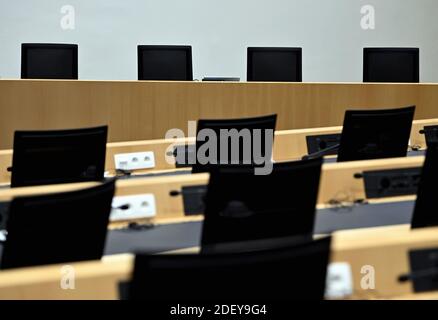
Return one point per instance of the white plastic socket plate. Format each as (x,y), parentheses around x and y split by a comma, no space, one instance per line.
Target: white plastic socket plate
(135,161)
(339,281)
(139,207)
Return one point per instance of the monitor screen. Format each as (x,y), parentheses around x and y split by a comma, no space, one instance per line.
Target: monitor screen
(49,61)
(167,63)
(290,273)
(391,65)
(375,134)
(240,206)
(274,64)
(53,157)
(245,139)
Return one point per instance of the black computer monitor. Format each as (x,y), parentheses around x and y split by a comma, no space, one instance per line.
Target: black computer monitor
(425,213)
(291,273)
(49,61)
(57,228)
(242,126)
(375,134)
(240,206)
(274,64)
(60,156)
(391,65)
(167,63)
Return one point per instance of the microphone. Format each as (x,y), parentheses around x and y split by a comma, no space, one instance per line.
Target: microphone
(426,273)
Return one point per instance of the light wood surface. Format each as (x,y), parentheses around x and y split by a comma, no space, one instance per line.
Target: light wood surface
(386,249)
(288,145)
(94,280)
(337,183)
(142,110)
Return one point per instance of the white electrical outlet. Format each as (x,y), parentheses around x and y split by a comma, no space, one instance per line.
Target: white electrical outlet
(133,207)
(339,281)
(134,161)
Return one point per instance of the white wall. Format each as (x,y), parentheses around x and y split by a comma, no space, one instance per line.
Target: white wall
(329,31)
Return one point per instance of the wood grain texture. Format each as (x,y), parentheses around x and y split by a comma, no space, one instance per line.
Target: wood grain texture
(142,110)
(337,183)
(384,248)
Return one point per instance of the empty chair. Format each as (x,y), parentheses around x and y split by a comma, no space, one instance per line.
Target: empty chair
(430,134)
(293,272)
(391,65)
(425,213)
(242,133)
(167,63)
(59,156)
(274,64)
(376,134)
(373,134)
(260,210)
(57,228)
(49,61)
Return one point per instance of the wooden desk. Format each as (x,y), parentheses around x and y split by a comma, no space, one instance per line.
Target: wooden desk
(386,249)
(288,145)
(141,110)
(337,183)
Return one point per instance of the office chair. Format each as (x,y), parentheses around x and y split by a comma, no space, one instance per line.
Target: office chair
(290,273)
(274,64)
(167,63)
(251,124)
(260,211)
(59,156)
(391,65)
(57,228)
(373,134)
(425,214)
(49,61)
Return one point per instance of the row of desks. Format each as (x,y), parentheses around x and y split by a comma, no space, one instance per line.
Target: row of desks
(338,184)
(386,249)
(288,145)
(386,246)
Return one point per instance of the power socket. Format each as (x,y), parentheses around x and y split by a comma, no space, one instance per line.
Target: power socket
(391,183)
(134,161)
(133,207)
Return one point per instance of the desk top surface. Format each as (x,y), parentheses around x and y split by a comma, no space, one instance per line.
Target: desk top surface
(187,235)
(176,236)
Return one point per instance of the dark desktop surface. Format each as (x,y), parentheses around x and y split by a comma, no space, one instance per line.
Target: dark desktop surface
(186,235)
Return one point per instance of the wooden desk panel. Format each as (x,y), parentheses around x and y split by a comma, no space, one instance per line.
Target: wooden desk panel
(384,248)
(141,110)
(337,183)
